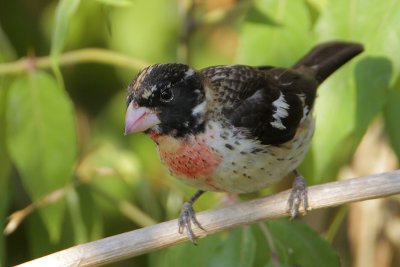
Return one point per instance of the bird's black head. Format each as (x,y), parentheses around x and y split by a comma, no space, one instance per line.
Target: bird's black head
(166,99)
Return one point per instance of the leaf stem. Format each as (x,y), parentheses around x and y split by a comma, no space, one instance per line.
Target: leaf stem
(86,55)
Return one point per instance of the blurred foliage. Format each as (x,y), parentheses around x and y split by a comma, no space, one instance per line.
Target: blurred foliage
(62,148)
(6,54)
(291,243)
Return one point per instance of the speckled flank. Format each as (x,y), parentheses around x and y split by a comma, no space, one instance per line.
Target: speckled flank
(263,166)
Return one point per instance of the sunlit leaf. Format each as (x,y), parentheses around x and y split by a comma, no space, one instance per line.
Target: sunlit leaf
(147,30)
(119,3)
(280,42)
(64,12)
(333,142)
(78,35)
(348,20)
(111,168)
(41,140)
(7,52)
(355,94)
(113,176)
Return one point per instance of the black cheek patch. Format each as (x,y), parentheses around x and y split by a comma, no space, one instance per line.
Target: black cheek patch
(177,115)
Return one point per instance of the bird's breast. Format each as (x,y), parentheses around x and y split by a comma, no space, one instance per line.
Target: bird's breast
(189,159)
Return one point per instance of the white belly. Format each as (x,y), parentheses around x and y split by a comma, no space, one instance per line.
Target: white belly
(221,160)
(244,170)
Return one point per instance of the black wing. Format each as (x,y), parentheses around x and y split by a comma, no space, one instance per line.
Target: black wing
(268,103)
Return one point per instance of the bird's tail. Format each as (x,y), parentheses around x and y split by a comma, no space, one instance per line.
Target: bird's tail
(325,58)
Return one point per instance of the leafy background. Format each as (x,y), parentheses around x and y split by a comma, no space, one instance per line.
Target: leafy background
(68,175)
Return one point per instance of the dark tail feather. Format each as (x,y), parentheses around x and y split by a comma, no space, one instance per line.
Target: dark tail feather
(325,58)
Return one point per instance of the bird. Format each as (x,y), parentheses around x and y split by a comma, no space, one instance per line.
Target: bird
(233,128)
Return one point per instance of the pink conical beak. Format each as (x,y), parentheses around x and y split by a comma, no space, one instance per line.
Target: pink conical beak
(139,119)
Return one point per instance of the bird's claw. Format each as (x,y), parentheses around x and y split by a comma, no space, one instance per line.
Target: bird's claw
(185,220)
(298,196)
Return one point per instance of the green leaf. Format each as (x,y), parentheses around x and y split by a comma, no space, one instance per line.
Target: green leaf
(118,3)
(233,249)
(41,140)
(356,20)
(256,16)
(6,54)
(111,170)
(186,254)
(5,167)
(371,93)
(356,98)
(37,238)
(354,95)
(64,12)
(116,168)
(92,213)
(78,226)
(237,251)
(293,242)
(153,37)
(391,116)
(296,244)
(283,37)
(333,141)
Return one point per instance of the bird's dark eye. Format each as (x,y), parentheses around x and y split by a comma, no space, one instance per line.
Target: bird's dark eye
(166,95)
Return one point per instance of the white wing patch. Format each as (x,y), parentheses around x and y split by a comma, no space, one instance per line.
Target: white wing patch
(281,112)
(200,109)
(306,110)
(189,72)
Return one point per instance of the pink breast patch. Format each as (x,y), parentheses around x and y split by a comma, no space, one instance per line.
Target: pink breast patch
(191,159)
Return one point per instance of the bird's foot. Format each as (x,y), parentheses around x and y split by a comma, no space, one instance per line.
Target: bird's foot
(298,196)
(188,216)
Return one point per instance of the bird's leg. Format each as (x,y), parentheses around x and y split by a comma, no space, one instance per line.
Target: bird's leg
(298,195)
(188,216)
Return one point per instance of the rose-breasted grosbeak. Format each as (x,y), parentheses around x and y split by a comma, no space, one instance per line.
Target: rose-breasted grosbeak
(232,128)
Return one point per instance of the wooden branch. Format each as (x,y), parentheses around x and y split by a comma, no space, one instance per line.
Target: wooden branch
(148,239)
